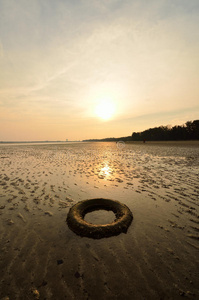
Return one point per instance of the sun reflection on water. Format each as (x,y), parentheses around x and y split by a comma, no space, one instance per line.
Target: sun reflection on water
(105,171)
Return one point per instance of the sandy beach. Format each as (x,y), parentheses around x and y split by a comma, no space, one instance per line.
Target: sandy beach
(41,258)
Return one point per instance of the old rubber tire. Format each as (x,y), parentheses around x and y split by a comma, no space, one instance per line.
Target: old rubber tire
(77,224)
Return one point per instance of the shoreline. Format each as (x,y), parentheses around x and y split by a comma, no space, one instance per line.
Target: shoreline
(169,142)
(173,143)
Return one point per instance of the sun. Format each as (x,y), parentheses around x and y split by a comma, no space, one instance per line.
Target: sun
(105,109)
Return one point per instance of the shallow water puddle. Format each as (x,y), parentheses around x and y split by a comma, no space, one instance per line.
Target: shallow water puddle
(100,217)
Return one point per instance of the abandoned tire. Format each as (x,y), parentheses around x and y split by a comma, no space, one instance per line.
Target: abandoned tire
(77,224)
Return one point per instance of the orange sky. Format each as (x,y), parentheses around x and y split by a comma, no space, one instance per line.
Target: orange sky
(60,60)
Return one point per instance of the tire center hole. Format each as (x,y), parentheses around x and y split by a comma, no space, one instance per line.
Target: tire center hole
(100,217)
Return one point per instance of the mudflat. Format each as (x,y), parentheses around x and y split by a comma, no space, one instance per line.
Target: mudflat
(41,258)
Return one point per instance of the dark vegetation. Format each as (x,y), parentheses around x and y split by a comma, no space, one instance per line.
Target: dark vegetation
(188,131)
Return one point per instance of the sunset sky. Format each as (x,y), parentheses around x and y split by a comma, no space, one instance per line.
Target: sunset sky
(78,69)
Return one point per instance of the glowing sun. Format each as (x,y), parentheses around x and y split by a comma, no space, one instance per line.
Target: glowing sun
(105,109)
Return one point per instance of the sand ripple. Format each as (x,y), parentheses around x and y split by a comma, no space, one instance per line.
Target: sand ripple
(41,258)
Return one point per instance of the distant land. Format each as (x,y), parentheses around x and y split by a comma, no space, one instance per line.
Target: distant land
(36,142)
(187,131)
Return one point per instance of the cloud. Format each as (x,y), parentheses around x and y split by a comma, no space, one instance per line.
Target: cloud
(59,57)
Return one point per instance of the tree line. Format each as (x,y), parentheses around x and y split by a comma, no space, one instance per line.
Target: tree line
(187,131)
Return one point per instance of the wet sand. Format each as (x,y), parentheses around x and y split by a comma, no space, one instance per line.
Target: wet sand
(41,258)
